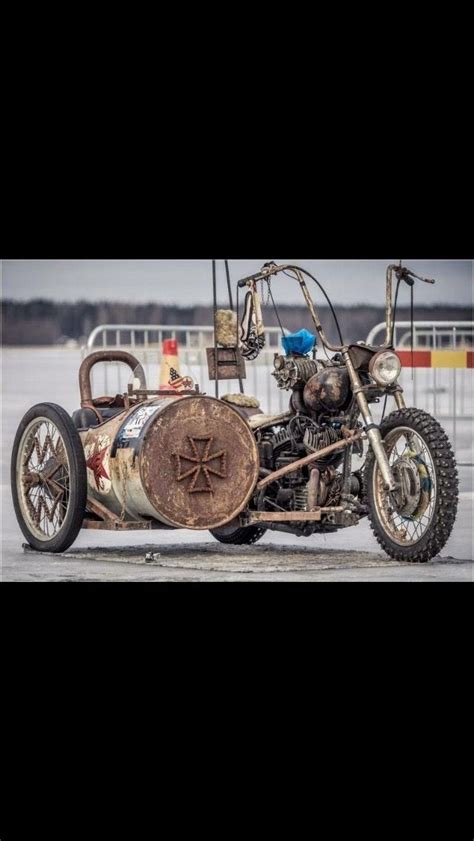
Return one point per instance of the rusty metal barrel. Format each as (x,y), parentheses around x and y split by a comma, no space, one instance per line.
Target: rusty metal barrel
(187,461)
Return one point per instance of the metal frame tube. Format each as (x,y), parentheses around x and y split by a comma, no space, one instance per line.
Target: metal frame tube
(400,400)
(372,431)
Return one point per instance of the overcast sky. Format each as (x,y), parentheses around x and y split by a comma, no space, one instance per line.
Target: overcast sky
(189,281)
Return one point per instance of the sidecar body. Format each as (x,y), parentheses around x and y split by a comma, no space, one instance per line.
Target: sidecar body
(145,459)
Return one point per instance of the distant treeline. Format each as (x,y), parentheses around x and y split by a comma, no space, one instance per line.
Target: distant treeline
(42,322)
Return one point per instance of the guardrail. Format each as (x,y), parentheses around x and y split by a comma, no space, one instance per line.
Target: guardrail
(150,336)
(442,385)
(434,334)
(145,341)
(438,376)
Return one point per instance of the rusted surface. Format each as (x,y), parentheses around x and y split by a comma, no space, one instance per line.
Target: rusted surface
(291,516)
(302,462)
(230,363)
(329,390)
(313,489)
(147,393)
(198,463)
(97,443)
(100,510)
(360,357)
(43,468)
(119,525)
(292,371)
(109,520)
(95,462)
(105,356)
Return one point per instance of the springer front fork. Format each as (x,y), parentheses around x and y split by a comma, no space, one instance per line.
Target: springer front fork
(371,429)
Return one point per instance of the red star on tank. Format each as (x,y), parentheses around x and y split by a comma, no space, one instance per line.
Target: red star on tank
(96,464)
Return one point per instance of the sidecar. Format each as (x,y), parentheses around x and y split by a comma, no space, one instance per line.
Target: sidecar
(143,459)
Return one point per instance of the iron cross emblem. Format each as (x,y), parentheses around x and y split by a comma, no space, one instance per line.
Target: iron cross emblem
(201,458)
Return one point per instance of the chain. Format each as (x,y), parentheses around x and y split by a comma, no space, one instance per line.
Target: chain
(262,295)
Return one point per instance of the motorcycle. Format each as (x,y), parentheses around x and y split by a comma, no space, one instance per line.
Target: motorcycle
(177,458)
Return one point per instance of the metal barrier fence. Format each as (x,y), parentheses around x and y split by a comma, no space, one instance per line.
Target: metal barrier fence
(427,334)
(447,393)
(444,385)
(145,342)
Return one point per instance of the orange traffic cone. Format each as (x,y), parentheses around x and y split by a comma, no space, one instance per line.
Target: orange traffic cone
(170,376)
(169,371)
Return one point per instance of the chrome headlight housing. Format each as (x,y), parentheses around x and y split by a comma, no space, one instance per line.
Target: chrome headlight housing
(385,367)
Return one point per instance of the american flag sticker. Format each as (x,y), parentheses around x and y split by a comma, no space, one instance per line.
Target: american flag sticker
(177,382)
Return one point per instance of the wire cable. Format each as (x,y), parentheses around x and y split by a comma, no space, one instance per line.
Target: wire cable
(304,271)
(229,288)
(275,308)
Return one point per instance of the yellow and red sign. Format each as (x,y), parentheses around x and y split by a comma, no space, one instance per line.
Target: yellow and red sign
(436,358)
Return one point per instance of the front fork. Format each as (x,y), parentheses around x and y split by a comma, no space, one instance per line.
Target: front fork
(371,429)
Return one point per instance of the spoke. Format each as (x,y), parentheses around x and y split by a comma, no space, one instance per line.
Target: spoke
(46,503)
(403,528)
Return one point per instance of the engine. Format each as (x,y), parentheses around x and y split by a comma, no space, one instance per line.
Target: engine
(321,395)
(307,486)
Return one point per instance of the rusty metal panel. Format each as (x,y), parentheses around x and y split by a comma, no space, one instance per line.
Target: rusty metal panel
(230,364)
(185,461)
(328,390)
(118,525)
(97,443)
(199,463)
(291,516)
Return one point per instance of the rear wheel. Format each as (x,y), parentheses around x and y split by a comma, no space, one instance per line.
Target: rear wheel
(48,478)
(414,522)
(238,536)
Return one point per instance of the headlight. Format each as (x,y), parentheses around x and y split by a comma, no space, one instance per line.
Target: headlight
(385,367)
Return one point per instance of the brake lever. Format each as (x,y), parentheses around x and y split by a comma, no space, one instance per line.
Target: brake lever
(424,279)
(407,275)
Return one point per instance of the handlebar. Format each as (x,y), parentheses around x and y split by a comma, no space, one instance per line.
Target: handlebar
(269,269)
(266,270)
(401,272)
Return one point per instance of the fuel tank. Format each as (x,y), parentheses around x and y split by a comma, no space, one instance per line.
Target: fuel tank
(328,391)
(186,461)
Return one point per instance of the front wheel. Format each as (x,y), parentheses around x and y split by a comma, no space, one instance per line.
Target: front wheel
(414,522)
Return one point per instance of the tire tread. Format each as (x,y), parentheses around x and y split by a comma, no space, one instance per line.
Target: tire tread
(447,481)
(241,536)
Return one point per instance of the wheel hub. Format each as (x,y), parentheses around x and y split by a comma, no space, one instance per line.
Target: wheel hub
(406,496)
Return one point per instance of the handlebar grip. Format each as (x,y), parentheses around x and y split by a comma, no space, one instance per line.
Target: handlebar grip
(245,280)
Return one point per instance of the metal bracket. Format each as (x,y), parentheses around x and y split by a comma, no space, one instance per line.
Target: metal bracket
(104,518)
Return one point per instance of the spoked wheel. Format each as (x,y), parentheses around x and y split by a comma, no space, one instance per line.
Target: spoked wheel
(48,478)
(414,522)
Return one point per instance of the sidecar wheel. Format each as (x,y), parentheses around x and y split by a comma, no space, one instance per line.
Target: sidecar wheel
(413,525)
(48,478)
(239,536)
